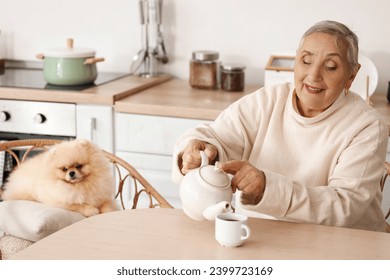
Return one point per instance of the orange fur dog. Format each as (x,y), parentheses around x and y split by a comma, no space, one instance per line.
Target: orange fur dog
(74,175)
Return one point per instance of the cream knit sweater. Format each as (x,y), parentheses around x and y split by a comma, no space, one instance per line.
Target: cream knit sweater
(322,170)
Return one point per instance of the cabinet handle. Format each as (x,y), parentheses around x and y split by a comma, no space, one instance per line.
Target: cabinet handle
(93,129)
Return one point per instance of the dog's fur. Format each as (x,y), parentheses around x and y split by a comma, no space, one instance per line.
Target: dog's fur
(74,175)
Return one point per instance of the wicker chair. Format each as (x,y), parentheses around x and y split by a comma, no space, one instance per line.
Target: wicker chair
(383,181)
(126,175)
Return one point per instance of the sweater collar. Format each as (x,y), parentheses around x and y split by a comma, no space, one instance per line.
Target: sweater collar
(293,108)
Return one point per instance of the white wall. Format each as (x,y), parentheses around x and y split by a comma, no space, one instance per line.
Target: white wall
(245,31)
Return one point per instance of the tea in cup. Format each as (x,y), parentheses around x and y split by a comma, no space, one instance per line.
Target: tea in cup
(231,229)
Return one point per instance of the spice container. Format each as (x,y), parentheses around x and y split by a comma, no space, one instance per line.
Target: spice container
(204,69)
(388,92)
(232,77)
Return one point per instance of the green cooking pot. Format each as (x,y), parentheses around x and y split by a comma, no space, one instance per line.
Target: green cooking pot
(69,66)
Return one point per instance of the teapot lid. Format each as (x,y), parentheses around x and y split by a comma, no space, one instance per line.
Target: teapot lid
(214,176)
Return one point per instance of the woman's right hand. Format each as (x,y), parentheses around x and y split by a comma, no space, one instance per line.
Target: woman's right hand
(191,159)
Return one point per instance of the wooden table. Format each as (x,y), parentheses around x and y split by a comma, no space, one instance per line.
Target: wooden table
(152,234)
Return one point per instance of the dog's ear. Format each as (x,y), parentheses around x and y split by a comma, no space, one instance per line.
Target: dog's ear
(86,145)
(52,150)
(84,142)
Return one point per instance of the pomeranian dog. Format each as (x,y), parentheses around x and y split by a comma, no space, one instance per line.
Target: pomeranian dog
(74,175)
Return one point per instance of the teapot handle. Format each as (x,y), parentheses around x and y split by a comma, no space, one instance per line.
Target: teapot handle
(205,158)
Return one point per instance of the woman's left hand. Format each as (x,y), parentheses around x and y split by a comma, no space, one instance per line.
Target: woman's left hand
(247,178)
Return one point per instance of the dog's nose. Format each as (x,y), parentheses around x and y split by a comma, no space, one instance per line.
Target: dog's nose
(72,173)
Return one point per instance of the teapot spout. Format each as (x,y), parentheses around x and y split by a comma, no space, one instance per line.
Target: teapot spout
(211,212)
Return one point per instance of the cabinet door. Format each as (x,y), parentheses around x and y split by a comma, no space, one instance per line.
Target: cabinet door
(147,143)
(150,134)
(96,123)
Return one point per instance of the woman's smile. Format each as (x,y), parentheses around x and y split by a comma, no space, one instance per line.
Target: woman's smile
(312,89)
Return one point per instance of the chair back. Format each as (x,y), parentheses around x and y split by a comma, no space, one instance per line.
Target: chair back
(383,181)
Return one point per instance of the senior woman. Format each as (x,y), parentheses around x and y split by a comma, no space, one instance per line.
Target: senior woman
(311,152)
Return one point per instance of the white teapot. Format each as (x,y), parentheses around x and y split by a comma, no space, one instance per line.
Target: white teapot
(205,192)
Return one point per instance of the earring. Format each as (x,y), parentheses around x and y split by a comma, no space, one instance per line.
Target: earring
(346,91)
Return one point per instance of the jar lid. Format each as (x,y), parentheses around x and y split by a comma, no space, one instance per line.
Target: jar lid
(205,55)
(232,66)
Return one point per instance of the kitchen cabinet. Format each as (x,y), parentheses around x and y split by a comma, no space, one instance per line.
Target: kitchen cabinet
(147,142)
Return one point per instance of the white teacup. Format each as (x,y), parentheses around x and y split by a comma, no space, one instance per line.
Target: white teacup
(231,229)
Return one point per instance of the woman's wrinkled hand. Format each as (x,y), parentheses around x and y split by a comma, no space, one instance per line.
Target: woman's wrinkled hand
(191,158)
(247,178)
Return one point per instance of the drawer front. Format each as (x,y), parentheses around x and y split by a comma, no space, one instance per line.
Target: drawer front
(150,134)
(272,77)
(156,169)
(38,117)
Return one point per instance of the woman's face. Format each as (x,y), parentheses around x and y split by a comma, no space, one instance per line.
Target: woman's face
(321,73)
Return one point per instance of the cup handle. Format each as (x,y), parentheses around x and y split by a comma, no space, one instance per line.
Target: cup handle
(247,232)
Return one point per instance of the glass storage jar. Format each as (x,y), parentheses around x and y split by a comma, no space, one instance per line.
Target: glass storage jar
(388,92)
(204,69)
(232,77)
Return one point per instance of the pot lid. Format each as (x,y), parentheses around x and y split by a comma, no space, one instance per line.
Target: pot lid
(69,51)
(214,176)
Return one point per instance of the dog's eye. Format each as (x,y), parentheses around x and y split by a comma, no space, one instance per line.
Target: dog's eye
(64,169)
(79,166)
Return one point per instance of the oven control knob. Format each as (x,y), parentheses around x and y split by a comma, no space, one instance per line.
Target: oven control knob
(4,116)
(39,118)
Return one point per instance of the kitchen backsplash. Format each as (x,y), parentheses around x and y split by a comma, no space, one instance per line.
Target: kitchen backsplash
(245,31)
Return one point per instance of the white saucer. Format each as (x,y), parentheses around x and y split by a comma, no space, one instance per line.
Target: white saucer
(367,72)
